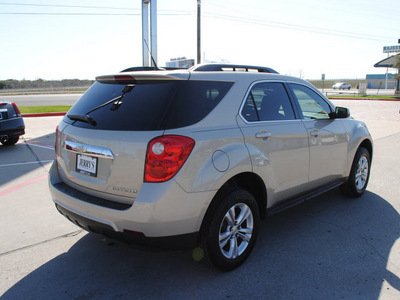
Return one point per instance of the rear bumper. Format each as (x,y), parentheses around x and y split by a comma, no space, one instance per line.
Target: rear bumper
(183,241)
(12,127)
(162,215)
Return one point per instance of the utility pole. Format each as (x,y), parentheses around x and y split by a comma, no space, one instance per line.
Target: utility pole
(149,37)
(198,32)
(145,33)
(153,32)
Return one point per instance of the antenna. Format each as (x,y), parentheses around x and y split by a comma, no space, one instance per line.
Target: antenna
(151,55)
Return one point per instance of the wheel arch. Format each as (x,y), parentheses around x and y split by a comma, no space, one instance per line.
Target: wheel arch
(248,181)
(252,183)
(367,144)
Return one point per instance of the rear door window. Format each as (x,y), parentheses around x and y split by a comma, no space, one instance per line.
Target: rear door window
(150,106)
(267,101)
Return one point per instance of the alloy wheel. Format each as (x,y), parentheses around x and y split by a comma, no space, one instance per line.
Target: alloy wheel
(236,230)
(362,173)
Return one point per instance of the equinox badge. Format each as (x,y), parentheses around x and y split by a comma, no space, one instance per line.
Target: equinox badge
(126,190)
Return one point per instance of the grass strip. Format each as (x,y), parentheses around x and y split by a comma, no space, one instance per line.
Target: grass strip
(365,97)
(43,109)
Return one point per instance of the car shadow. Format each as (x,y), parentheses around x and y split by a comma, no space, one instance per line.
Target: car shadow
(25,156)
(330,247)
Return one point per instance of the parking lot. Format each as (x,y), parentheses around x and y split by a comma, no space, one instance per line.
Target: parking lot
(331,247)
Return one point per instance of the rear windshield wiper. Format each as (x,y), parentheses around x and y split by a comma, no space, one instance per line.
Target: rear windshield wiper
(83,118)
(117,102)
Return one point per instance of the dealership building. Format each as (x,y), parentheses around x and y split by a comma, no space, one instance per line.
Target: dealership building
(385,81)
(378,81)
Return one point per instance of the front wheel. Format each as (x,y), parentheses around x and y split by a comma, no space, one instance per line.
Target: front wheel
(230,230)
(357,182)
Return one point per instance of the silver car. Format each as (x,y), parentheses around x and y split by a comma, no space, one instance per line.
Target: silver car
(341,86)
(195,158)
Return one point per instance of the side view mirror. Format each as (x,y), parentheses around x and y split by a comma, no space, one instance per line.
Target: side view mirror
(340,113)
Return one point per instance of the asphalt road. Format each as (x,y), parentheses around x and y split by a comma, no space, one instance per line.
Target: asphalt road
(331,247)
(42,100)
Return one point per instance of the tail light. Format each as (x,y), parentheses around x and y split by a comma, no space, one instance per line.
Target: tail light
(16,109)
(165,156)
(55,142)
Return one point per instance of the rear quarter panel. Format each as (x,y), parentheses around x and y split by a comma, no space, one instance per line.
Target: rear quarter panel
(218,155)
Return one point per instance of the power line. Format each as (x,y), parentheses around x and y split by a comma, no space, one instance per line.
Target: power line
(91,14)
(252,20)
(68,6)
(258,20)
(88,7)
(299,27)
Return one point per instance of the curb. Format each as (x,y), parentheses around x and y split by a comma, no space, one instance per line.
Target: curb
(44,115)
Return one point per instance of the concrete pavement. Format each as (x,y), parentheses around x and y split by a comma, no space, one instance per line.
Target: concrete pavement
(331,247)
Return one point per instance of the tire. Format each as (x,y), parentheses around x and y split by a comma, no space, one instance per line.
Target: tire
(10,141)
(227,237)
(357,182)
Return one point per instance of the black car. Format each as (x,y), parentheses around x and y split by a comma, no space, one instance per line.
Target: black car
(11,123)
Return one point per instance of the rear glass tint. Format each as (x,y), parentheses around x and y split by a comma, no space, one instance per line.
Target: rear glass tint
(151,106)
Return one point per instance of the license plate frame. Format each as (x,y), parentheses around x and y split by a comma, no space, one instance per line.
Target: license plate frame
(86,164)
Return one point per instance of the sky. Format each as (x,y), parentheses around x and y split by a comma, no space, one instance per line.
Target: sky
(68,39)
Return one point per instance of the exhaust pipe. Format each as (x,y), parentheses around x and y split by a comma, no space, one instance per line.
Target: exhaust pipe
(4,139)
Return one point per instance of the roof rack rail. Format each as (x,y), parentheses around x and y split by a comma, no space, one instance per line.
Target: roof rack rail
(230,67)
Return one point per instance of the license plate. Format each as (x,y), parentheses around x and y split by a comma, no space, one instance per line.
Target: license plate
(86,165)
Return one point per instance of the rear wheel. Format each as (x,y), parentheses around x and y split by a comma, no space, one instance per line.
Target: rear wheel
(231,229)
(10,141)
(357,182)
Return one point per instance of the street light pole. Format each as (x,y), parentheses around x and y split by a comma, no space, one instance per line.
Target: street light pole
(149,37)
(153,33)
(198,32)
(145,33)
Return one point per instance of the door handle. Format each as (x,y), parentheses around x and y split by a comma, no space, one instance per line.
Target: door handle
(314,133)
(263,135)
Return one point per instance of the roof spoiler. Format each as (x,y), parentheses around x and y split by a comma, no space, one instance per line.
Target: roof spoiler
(140,78)
(230,67)
(140,69)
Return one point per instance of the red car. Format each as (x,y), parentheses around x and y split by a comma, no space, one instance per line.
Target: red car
(12,125)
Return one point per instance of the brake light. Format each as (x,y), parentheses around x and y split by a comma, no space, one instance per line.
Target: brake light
(165,156)
(124,78)
(16,109)
(55,142)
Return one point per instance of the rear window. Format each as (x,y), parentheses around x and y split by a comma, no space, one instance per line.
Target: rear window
(150,106)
